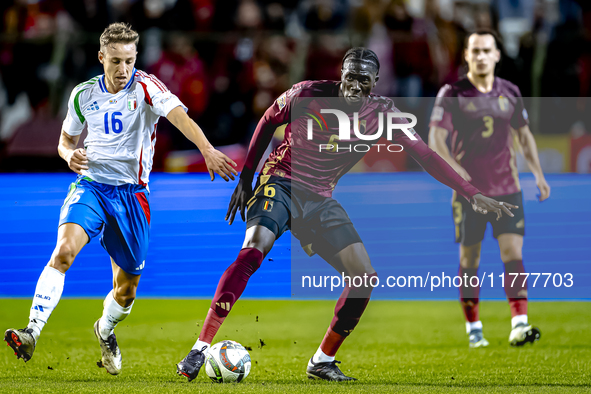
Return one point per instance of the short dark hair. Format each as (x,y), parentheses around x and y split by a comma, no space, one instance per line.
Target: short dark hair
(482,32)
(364,55)
(119,33)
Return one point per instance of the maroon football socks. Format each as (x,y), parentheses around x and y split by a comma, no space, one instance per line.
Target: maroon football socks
(230,288)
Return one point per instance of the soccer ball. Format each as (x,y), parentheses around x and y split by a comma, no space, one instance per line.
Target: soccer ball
(227,362)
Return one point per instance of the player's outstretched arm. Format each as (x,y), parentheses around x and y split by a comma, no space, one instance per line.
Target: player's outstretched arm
(215,160)
(530,152)
(437,142)
(76,158)
(440,170)
(484,205)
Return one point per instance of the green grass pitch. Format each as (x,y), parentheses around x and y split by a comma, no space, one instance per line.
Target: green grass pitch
(399,346)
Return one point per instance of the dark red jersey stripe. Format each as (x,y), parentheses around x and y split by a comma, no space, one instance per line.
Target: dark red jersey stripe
(139,177)
(147,97)
(141,197)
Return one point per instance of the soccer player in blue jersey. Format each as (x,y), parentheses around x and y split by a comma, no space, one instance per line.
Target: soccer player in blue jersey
(109,198)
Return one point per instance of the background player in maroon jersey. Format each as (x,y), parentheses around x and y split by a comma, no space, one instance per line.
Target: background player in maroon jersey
(481,112)
(294,192)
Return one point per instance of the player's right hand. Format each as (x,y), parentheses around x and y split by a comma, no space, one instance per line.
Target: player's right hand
(240,197)
(484,205)
(218,163)
(77,160)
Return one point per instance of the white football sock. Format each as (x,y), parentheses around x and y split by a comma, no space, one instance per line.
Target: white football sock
(47,295)
(519,319)
(200,344)
(475,325)
(321,357)
(113,313)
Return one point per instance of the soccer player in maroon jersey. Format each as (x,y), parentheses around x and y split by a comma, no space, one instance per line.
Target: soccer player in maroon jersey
(294,192)
(483,112)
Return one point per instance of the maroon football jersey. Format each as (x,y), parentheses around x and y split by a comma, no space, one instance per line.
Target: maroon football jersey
(481,138)
(318,163)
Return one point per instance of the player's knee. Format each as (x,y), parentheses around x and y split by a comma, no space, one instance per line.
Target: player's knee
(470,262)
(263,246)
(469,257)
(249,260)
(363,274)
(362,268)
(63,257)
(511,253)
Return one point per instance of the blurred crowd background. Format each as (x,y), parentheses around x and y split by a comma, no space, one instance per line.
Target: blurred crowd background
(228,60)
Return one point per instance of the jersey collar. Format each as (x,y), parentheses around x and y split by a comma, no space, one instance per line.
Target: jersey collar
(104,87)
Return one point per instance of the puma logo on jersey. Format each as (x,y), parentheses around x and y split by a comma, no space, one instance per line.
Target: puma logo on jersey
(224,305)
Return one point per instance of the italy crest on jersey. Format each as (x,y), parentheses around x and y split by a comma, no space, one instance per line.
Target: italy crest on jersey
(132,101)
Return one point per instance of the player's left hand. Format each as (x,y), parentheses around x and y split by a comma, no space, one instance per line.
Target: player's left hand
(544,189)
(240,197)
(484,205)
(219,163)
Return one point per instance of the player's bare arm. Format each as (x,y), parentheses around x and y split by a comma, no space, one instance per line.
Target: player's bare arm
(76,158)
(530,152)
(215,160)
(437,142)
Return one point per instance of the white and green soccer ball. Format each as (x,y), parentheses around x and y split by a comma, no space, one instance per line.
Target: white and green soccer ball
(227,362)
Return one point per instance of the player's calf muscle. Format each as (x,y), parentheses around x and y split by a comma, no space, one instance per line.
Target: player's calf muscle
(124,286)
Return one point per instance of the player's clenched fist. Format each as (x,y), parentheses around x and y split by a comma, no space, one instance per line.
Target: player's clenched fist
(77,160)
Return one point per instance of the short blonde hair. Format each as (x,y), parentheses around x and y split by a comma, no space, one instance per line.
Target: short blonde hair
(119,33)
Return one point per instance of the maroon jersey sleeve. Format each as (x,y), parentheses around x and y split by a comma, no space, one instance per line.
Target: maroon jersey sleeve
(438,168)
(520,117)
(276,115)
(434,164)
(442,111)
